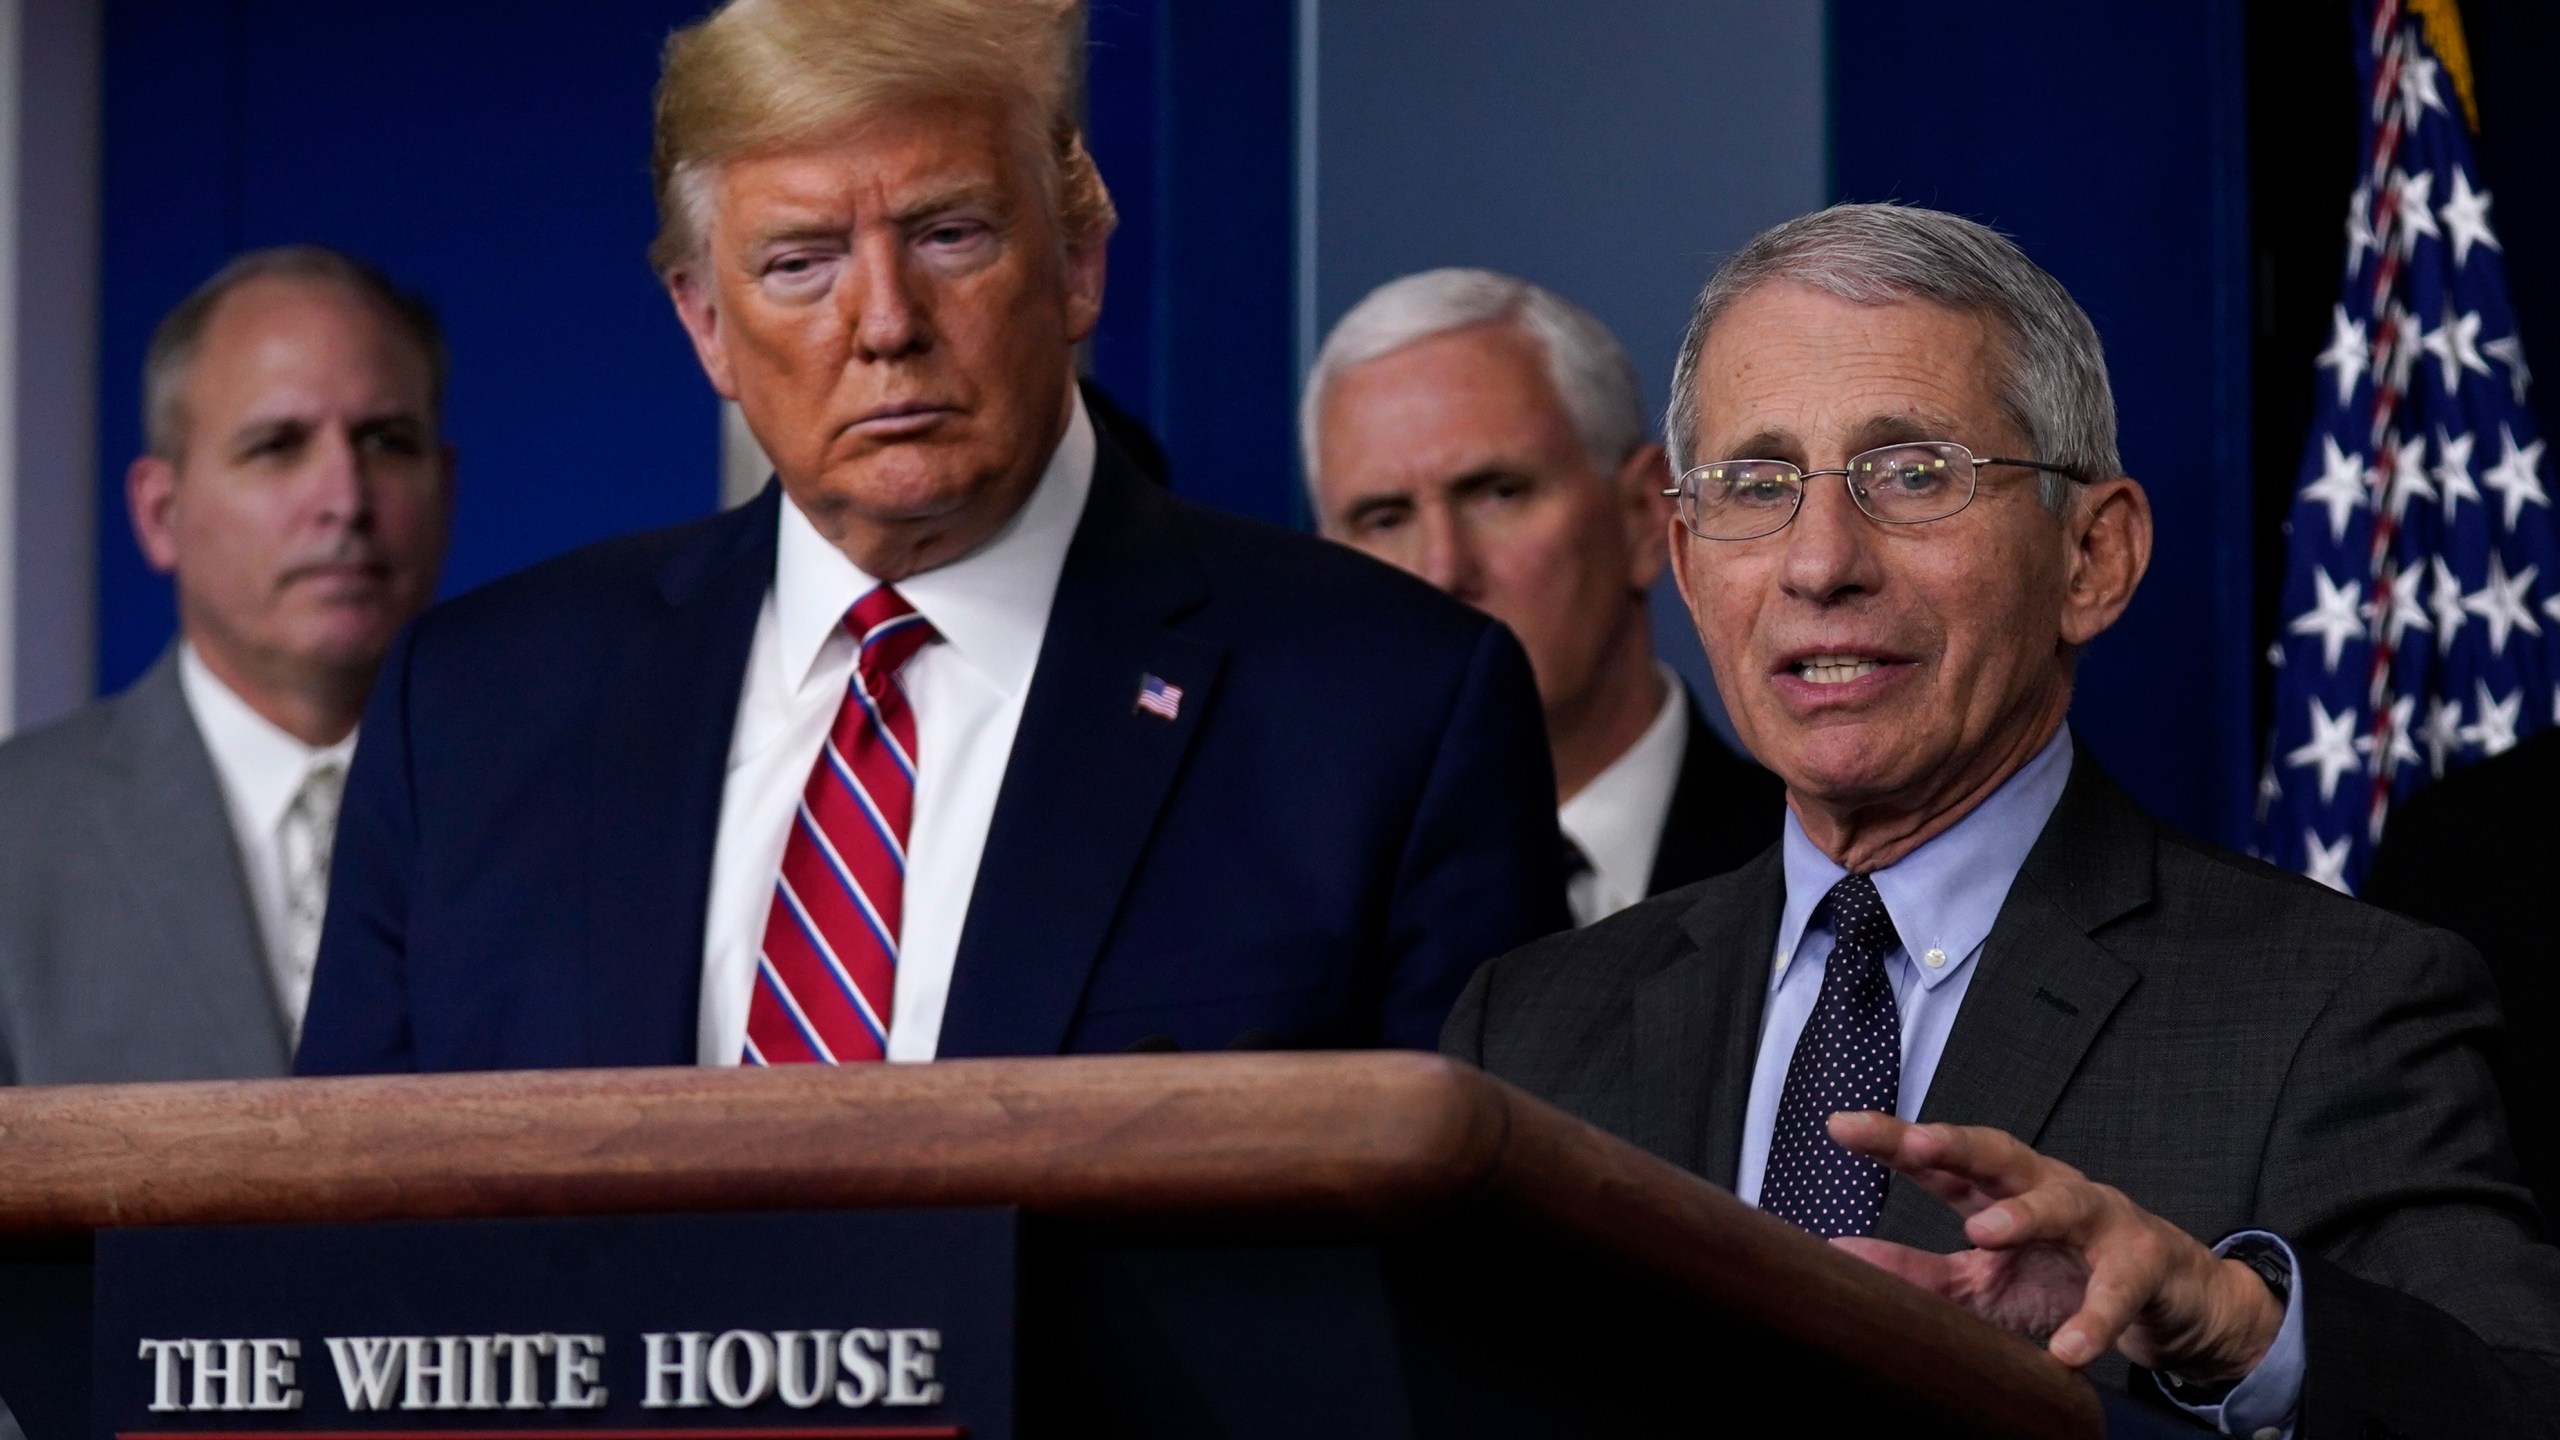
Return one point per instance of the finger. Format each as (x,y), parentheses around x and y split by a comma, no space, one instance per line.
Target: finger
(1912,1150)
(1998,1163)
(2059,1212)
(2116,1294)
(1930,1272)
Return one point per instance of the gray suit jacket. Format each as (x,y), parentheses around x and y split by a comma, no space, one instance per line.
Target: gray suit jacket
(128,950)
(2233,1047)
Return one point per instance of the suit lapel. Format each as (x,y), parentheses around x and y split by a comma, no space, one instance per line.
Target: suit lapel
(168,825)
(2044,990)
(1088,774)
(1697,1023)
(662,726)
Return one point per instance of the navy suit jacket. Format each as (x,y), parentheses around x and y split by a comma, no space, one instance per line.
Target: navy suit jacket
(1354,809)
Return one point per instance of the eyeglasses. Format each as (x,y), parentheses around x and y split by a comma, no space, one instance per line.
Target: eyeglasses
(1906,484)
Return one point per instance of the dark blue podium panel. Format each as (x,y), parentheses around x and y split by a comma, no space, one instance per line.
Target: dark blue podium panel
(853,1326)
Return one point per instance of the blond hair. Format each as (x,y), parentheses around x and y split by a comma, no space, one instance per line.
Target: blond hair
(770,74)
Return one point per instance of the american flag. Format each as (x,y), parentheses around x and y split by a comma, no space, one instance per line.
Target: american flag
(2422,586)
(1158,698)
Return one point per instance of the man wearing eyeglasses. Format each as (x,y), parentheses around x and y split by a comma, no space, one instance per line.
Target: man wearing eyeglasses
(1977,1018)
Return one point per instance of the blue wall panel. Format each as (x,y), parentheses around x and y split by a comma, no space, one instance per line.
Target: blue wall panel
(2106,138)
(492,155)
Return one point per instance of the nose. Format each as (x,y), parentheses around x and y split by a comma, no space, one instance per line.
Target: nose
(1448,554)
(341,480)
(1830,545)
(884,311)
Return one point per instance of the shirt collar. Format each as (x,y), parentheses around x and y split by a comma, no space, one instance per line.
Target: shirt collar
(1616,819)
(990,606)
(1947,894)
(262,764)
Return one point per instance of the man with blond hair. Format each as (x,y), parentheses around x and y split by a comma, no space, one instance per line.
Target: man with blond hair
(961,739)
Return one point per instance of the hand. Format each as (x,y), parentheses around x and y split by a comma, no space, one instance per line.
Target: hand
(2062,1259)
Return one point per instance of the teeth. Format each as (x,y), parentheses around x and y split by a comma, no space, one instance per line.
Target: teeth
(1835,669)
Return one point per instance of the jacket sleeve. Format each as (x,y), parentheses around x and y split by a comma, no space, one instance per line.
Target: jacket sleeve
(2431,1306)
(358,1021)
(1482,871)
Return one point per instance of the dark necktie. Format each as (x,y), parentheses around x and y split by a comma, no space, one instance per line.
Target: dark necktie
(1849,1058)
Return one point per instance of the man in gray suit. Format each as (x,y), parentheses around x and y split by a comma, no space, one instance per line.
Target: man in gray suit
(166,851)
(2170,1103)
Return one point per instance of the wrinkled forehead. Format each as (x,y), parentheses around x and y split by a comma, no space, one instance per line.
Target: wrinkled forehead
(290,346)
(1790,372)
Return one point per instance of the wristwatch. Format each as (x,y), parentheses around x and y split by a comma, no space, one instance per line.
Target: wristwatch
(2268,1261)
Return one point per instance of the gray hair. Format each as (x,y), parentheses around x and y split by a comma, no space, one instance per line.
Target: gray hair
(181,332)
(2054,382)
(1592,375)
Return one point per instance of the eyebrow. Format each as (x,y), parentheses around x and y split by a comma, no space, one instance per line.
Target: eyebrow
(1892,428)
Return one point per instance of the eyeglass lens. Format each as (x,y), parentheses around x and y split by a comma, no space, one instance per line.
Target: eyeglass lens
(1897,484)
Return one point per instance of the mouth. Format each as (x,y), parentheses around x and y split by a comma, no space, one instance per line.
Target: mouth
(1833,669)
(339,573)
(912,417)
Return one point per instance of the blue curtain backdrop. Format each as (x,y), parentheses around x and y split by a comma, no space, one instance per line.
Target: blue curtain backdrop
(2107,138)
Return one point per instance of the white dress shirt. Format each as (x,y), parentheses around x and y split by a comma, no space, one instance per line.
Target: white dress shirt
(990,609)
(261,769)
(1616,820)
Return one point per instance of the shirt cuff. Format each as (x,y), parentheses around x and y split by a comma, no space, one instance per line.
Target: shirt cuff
(2263,1405)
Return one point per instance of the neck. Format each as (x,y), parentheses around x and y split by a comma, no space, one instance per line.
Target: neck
(1608,718)
(1865,839)
(318,706)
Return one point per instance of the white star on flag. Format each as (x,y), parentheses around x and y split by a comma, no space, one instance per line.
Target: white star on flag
(2408,477)
(2446,602)
(2346,352)
(2442,732)
(2417,214)
(2509,351)
(2456,347)
(2418,85)
(2332,747)
(2359,228)
(2516,477)
(2396,749)
(2466,218)
(2453,471)
(2335,617)
(2405,608)
(2502,603)
(2340,486)
(2328,863)
(2495,732)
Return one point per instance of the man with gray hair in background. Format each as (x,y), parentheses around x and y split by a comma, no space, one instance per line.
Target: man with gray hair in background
(1489,436)
(1978,1019)
(168,849)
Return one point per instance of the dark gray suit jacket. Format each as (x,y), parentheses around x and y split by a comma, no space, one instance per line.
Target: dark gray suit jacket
(128,950)
(2233,1047)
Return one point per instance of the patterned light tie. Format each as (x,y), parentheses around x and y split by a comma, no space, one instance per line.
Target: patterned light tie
(303,841)
(827,977)
(1849,1058)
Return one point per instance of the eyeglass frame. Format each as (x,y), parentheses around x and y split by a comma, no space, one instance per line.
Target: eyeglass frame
(1804,477)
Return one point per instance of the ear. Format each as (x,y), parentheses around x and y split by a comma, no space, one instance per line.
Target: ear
(151,498)
(1643,509)
(1086,262)
(2109,533)
(698,307)
(1679,541)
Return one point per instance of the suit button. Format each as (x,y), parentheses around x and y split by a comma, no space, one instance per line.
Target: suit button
(1934,959)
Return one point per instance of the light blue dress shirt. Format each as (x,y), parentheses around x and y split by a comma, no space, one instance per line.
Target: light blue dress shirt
(1944,898)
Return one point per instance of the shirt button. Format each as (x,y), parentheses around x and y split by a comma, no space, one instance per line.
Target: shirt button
(1937,958)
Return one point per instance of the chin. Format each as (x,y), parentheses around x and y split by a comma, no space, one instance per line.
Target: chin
(901,488)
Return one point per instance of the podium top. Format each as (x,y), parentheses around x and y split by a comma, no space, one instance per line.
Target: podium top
(1367,1143)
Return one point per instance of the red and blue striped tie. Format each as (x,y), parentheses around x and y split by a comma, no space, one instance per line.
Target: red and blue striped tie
(828,974)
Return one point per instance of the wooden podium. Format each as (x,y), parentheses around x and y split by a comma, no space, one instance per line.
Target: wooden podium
(1343,1245)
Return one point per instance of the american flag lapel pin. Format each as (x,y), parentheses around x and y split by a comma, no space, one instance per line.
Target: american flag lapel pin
(1158,698)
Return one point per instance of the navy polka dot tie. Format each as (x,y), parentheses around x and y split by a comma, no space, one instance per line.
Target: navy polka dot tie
(1849,1058)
